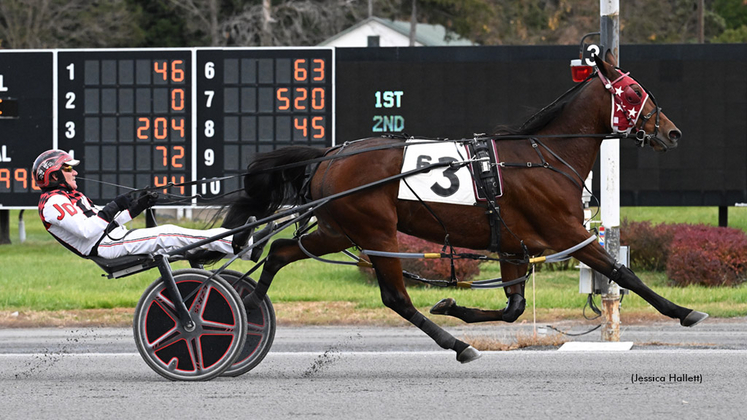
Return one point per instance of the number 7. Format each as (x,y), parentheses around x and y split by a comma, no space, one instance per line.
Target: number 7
(209,94)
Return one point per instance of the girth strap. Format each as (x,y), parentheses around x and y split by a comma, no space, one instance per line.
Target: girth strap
(485,174)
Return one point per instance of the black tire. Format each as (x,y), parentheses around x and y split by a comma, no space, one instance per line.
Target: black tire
(205,352)
(260,331)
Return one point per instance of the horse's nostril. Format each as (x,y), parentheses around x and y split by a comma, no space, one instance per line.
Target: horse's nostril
(675,135)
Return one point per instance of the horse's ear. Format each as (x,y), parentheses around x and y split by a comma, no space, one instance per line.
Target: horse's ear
(606,67)
(610,58)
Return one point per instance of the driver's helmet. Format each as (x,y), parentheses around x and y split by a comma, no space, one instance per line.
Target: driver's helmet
(48,163)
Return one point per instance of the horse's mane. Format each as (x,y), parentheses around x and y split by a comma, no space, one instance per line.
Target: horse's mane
(543,117)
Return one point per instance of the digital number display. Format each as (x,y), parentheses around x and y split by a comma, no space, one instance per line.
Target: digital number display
(127,115)
(26,122)
(251,101)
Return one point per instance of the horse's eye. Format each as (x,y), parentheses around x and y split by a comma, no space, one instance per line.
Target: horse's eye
(631,96)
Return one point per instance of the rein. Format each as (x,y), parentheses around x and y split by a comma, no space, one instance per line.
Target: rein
(640,136)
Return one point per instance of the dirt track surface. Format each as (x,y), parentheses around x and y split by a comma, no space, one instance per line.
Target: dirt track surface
(295,313)
(384,372)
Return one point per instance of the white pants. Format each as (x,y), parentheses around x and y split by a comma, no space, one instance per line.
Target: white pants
(162,239)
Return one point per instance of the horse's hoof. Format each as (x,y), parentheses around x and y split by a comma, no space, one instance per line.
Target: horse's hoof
(514,308)
(693,318)
(469,354)
(443,306)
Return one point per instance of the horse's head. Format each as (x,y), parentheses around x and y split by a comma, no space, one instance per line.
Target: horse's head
(634,109)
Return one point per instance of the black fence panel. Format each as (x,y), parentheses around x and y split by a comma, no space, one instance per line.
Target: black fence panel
(454,92)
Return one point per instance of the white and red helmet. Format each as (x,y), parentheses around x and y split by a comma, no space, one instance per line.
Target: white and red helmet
(48,163)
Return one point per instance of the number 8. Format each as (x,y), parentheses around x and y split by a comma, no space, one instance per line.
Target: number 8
(209,128)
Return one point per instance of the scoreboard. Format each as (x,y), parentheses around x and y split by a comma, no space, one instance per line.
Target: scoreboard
(253,101)
(26,122)
(153,117)
(138,118)
(127,115)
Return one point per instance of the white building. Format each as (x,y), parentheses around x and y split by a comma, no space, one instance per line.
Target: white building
(393,34)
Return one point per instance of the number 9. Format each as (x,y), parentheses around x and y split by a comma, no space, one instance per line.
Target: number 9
(209,157)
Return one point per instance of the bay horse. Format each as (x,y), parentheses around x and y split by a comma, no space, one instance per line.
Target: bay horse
(540,209)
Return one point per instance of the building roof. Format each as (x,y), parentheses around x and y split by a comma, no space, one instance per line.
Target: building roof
(394,34)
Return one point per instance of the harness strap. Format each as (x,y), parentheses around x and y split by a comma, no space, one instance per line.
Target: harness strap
(485,175)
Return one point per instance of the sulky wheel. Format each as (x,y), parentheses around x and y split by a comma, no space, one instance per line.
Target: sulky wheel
(206,351)
(260,330)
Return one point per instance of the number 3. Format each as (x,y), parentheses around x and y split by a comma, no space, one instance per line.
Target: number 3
(450,174)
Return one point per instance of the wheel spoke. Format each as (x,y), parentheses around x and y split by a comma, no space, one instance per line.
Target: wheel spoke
(212,326)
(166,303)
(256,329)
(199,302)
(197,359)
(166,340)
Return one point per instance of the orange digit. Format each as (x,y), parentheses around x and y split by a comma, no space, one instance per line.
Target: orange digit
(144,128)
(301,127)
(319,70)
(286,101)
(33,185)
(299,73)
(161,70)
(179,155)
(177,73)
(157,182)
(317,94)
(161,128)
(180,181)
(5,177)
(165,152)
(304,94)
(177,99)
(20,176)
(178,126)
(318,127)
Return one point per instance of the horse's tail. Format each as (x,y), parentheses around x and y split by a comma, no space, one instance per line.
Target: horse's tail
(265,189)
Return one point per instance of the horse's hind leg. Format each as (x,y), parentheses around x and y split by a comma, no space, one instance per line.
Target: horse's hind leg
(394,296)
(285,251)
(514,307)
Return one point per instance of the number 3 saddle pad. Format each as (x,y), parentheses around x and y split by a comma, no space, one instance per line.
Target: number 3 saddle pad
(453,185)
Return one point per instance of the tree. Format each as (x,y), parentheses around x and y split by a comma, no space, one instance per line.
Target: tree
(202,19)
(161,26)
(67,24)
(294,22)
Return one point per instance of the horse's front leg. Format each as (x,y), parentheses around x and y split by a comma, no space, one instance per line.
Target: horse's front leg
(514,307)
(595,256)
(394,296)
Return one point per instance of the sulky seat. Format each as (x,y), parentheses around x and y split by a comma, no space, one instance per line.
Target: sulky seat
(126,265)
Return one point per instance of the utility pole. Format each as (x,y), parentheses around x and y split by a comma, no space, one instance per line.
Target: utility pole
(609,11)
(701,21)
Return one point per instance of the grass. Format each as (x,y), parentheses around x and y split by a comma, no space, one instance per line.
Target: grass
(692,215)
(40,275)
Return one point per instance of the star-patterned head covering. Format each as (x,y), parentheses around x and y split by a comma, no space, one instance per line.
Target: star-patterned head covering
(626,104)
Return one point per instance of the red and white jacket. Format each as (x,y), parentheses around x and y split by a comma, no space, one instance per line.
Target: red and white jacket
(75,221)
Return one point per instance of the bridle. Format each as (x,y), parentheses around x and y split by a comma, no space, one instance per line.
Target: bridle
(626,108)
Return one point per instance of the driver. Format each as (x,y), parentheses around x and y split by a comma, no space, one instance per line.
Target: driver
(74,221)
